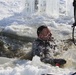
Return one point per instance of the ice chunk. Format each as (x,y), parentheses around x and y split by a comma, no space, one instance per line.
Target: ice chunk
(36,61)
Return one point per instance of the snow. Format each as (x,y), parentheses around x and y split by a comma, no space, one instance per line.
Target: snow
(8,8)
(26,67)
(15,18)
(20,30)
(29,7)
(52,8)
(69,5)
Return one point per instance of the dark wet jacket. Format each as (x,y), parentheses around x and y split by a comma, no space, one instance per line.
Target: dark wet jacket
(44,49)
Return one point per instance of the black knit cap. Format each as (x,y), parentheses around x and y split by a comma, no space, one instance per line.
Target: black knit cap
(40,29)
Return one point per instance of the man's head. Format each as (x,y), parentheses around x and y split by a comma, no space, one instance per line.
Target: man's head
(44,33)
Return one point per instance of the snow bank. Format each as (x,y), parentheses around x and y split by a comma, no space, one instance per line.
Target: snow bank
(21,30)
(24,67)
(8,8)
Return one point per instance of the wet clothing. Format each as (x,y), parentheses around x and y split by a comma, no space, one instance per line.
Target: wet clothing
(46,51)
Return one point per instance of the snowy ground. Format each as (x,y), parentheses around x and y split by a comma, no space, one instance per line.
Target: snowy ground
(12,19)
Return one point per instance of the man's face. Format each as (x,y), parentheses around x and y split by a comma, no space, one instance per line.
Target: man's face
(45,34)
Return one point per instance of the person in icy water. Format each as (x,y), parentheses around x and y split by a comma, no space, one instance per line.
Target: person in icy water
(44,49)
(74,4)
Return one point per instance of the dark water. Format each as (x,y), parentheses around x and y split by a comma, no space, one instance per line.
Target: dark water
(12,45)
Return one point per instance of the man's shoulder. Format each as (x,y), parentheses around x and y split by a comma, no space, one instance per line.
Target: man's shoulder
(38,40)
